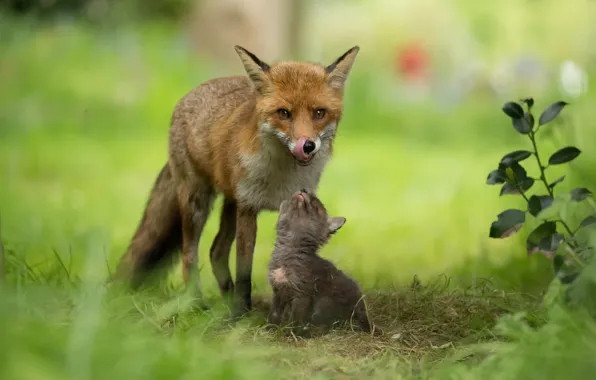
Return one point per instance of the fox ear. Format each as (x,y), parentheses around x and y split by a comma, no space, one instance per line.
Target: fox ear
(255,68)
(338,71)
(335,223)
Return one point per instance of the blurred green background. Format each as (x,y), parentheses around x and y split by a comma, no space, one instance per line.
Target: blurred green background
(88,88)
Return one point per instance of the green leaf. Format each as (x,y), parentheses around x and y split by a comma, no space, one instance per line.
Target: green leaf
(522,125)
(514,171)
(551,112)
(526,184)
(537,203)
(552,212)
(516,177)
(530,119)
(556,181)
(513,110)
(563,270)
(564,155)
(579,194)
(512,189)
(558,262)
(548,245)
(546,229)
(568,278)
(495,177)
(587,221)
(508,223)
(528,101)
(515,156)
(518,119)
(509,189)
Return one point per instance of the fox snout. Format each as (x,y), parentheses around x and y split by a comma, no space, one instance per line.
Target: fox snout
(303,144)
(304,148)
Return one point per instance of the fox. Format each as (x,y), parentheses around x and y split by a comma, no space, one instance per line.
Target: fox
(310,290)
(255,139)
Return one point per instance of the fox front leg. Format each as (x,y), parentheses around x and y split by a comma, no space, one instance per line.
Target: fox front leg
(246,235)
(300,314)
(278,308)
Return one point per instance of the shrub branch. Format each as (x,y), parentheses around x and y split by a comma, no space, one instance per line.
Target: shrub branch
(532,136)
(514,178)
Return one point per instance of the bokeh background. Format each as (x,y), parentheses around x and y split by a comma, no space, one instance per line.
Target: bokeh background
(88,87)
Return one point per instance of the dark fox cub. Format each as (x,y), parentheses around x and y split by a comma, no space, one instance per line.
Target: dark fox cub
(314,292)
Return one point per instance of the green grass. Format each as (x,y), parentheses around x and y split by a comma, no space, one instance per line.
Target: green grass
(84,133)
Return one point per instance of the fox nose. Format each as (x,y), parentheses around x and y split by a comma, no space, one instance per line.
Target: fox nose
(309,146)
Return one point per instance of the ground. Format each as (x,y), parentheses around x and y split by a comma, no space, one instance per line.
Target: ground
(84,134)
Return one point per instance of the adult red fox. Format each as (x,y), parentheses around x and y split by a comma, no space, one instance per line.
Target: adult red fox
(256,140)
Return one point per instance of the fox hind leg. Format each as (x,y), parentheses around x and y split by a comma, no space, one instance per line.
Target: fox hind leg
(222,244)
(363,322)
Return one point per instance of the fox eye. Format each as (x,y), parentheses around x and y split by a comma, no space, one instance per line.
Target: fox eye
(284,114)
(320,113)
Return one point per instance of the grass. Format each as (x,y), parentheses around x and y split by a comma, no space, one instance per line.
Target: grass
(82,141)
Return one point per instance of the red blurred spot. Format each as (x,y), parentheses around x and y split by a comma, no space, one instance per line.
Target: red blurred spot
(412,61)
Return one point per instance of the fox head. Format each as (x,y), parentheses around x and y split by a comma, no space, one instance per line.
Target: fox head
(299,102)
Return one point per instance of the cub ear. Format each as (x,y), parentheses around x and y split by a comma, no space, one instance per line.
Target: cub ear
(338,71)
(255,68)
(335,223)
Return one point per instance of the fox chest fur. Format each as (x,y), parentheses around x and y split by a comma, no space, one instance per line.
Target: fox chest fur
(272,175)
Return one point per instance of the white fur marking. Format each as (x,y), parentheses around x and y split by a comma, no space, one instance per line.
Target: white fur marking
(273,174)
(278,276)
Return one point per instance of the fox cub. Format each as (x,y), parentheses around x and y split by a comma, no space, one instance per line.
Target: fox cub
(309,287)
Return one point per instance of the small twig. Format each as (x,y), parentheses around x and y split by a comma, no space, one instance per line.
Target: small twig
(566,226)
(519,188)
(523,194)
(572,244)
(574,256)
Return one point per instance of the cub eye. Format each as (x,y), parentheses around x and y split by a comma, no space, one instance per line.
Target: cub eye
(284,114)
(320,113)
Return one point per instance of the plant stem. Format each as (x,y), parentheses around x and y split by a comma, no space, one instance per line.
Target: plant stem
(572,245)
(523,194)
(574,256)
(566,226)
(542,168)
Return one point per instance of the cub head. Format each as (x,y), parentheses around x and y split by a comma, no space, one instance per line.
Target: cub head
(300,103)
(305,221)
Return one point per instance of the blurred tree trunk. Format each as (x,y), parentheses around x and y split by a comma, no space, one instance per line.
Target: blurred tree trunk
(297,10)
(269,29)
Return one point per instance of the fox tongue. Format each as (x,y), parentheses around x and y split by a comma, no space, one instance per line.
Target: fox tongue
(298,150)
